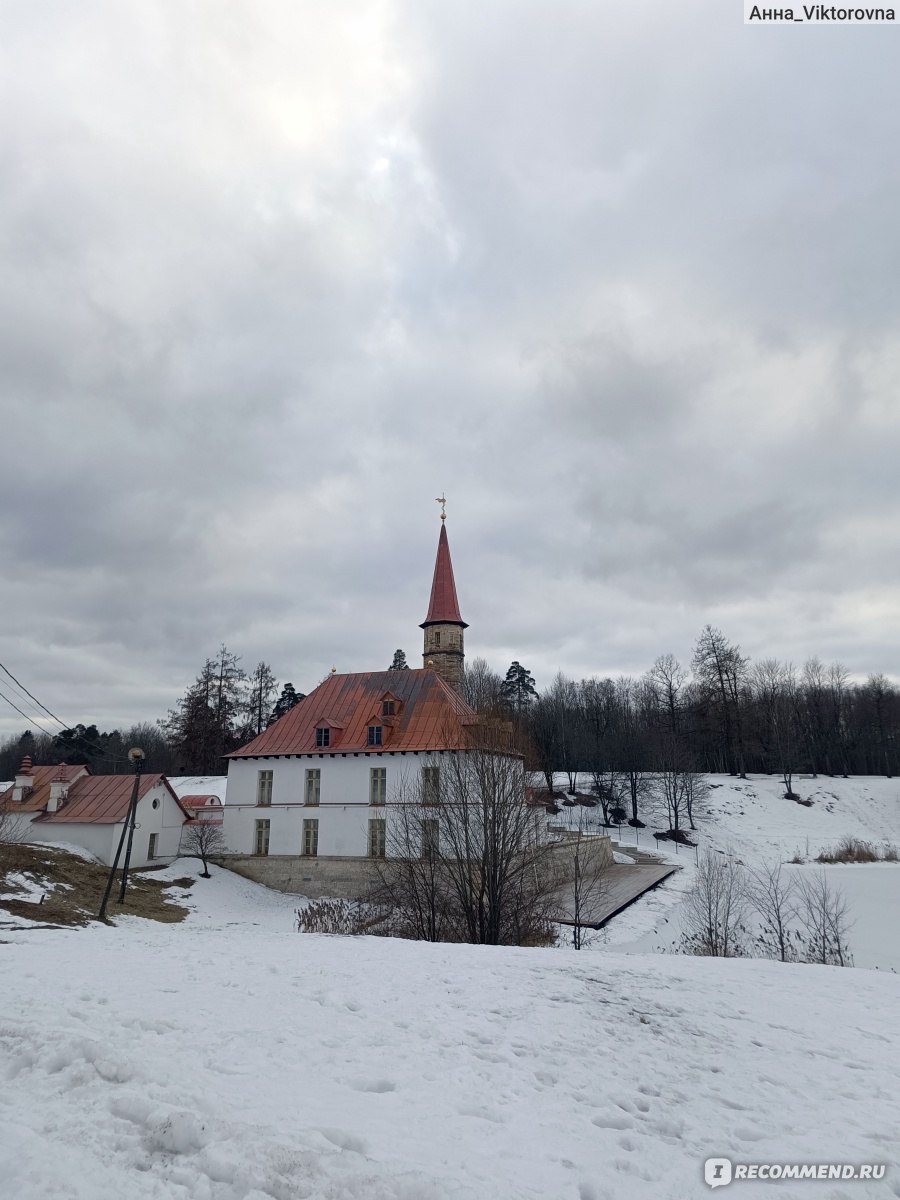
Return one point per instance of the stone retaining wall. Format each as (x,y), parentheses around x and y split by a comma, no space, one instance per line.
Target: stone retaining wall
(351,878)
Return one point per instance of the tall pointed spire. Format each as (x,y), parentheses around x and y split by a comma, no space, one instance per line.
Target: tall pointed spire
(444,605)
(444,649)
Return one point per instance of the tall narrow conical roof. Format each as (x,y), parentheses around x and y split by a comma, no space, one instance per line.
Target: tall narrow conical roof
(444,606)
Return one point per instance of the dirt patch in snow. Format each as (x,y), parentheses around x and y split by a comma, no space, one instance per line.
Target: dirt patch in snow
(53,888)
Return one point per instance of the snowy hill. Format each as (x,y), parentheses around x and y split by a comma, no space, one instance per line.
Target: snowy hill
(199,785)
(229,1058)
(753,819)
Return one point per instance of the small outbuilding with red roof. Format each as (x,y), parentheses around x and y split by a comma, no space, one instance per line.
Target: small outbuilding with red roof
(70,805)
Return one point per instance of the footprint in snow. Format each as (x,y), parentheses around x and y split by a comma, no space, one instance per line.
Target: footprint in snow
(612,1121)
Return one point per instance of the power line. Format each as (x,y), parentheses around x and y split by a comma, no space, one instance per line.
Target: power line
(21,714)
(115,758)
(34,698)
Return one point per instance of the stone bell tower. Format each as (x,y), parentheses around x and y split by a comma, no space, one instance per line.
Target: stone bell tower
(444,640)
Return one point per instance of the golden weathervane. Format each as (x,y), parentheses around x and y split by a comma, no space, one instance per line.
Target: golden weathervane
(442,501)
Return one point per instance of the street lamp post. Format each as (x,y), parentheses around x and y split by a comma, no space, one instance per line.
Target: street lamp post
(136,755)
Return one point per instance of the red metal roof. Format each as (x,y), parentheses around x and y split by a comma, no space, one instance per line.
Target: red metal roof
(200,801)
(444,606)
(41,778)
(99,799)
(428,715)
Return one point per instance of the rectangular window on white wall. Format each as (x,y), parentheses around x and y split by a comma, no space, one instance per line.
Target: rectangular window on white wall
(311,838)
(430,839)
(377,829)
(313,786)
(264,787)
(431,785)
(377,785)
(261,843)
(154,838)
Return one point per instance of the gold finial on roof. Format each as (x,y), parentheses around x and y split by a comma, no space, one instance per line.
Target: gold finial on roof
(442,501)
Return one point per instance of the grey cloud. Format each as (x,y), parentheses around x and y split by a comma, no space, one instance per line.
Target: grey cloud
(618,278)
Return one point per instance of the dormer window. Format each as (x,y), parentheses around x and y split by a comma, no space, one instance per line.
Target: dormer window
(323,736)
(387,708)
(375,735)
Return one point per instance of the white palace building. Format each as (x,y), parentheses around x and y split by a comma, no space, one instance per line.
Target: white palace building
(316,785)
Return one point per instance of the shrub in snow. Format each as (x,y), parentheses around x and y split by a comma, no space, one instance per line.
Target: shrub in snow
(825,920)
(345,917)
(854,850)
(716,907)
(773,894)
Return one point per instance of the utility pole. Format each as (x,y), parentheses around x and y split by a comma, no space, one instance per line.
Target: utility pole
(136,755)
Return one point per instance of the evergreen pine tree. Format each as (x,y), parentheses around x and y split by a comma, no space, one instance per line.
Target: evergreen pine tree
(399,663)
(285,702)
(518,690)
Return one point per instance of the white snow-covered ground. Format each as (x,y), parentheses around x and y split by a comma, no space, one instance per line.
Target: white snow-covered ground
(229,1058)
(752,819)
(200,785)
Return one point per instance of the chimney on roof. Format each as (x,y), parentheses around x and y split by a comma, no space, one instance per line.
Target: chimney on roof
(59,789)
(24,780)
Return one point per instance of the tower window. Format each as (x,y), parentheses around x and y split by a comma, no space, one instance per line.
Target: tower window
(375,735)
(437,638)
(323,736)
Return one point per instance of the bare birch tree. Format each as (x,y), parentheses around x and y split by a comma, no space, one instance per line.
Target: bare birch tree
(773,894)
(581,858)
(716,907)
(824,915)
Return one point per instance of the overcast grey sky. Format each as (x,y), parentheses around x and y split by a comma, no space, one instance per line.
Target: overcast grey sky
(620,277)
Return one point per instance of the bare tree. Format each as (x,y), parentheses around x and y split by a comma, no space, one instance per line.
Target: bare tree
(482,687)
(773,894)
(824,915)
(203,840)
(582,857)
(722,671)
(672,787)
(554,730)
(633,743)
(696,793)
(468,860)
(261,689)
(716,907)
(412,881)
(13,829)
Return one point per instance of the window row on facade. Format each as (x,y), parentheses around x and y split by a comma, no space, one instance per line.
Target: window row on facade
(377,837)
(312,786)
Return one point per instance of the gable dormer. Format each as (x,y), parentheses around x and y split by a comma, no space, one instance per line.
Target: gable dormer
(391,707)
(327,733)
(378,730)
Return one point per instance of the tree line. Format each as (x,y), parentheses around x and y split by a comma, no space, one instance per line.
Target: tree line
(223,709)
(721,713)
